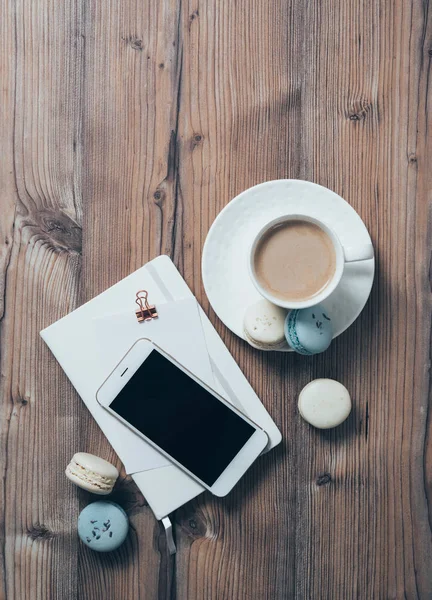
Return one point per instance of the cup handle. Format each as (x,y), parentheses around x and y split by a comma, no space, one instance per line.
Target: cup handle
(358,253)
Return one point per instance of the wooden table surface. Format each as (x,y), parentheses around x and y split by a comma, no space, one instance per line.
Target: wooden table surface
(125,128)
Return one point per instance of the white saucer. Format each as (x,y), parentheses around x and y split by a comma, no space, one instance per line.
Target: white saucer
(225,254)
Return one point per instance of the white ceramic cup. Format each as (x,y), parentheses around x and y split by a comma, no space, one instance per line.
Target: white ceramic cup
(344,254)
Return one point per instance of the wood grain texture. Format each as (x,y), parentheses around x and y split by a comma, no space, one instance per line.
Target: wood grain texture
(126,127)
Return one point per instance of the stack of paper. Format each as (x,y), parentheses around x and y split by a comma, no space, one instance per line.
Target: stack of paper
(89,342)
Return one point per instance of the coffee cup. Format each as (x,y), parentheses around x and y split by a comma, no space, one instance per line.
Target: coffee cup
(297,261)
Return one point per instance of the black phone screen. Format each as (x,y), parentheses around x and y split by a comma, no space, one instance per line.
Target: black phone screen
(181,417)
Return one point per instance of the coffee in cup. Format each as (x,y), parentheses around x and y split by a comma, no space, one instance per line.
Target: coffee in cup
(297,261)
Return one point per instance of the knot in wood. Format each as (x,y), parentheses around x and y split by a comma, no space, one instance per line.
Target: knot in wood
(197,138)
(38,531)
(60,229)
(159,197)
(323,479)
(135,43)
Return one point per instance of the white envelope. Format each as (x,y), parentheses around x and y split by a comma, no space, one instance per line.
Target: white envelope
(76,342)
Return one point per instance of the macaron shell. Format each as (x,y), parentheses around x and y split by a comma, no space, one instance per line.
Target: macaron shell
(89,485)
(324,403)
(264,325)
(96,464)
(103,526)
(291,334)
(309,330)
(263,346)
(92,473)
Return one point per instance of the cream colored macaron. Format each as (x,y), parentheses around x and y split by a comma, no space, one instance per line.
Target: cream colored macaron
(324,403)
(92,473)
(263,325)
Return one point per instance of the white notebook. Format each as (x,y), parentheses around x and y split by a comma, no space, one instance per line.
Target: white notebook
(91,340)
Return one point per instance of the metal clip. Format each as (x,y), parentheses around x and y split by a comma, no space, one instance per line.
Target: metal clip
(146,311)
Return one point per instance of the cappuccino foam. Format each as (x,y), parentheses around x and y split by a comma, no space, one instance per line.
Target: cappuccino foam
(295,260)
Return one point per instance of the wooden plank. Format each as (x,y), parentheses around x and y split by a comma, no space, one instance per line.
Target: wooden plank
(7,203)
(41,260)
(362,123)
(129,149)
(240,118)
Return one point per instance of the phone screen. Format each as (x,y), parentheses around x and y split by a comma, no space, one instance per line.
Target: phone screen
(181,417)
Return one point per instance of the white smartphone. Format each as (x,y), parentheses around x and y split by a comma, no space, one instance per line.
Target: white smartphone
(182,417)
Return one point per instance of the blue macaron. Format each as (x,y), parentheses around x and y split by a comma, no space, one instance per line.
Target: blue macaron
(309,330)
(103,526)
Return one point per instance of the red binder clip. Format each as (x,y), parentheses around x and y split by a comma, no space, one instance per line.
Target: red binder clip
(146,311)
